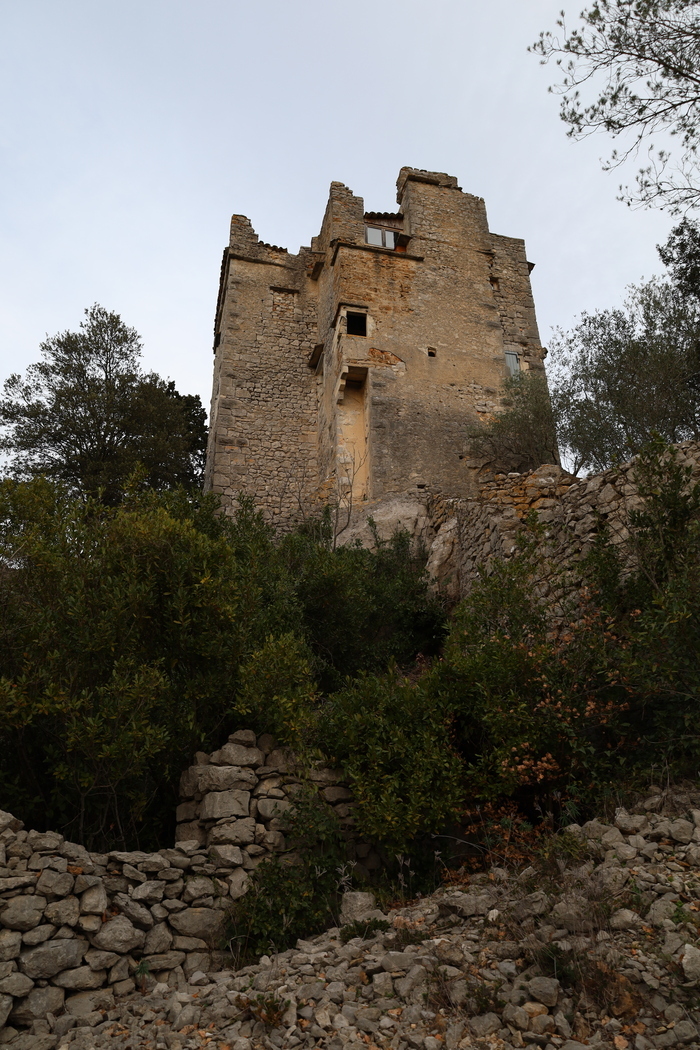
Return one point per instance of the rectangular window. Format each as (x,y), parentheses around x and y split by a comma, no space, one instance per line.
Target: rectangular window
(512,363)
(356,323)
(379,237)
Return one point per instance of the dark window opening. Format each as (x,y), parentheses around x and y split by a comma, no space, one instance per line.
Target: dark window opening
(494,283)
(356,323)
(379,237)
(432,352)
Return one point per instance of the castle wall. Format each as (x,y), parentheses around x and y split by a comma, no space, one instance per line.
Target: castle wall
(307,408)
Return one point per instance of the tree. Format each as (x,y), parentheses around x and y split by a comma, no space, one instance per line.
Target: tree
(523,436)
(86,415)
(681,254)
(643,57)
(622,377)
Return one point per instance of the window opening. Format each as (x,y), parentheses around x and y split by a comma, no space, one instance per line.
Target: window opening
(356,323)
(432,352)
(512,363)
(379,237)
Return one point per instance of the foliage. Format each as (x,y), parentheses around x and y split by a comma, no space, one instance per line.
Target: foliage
(362,608)
(533,714)
(550,717)
(122,632)
(681,255)
(622,376)
(641,56)
(265,1006)
(291,897)
(86,415)
(276,690)
(393,740)
(363,928)
(523,436)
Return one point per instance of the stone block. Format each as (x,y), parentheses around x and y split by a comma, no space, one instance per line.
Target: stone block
(10,944)
(38,1004)
(63,912)
(50,958)
(218,805)
(85,1004)
(205,923)
(165,960)
(81,978)
(23,913)
(237,755)
(39,934)
(238,883)
(119,935)
(235,833)
(269,808)
(52,884)
(94,900)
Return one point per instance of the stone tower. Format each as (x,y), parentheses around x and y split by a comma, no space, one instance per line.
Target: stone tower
(353,370)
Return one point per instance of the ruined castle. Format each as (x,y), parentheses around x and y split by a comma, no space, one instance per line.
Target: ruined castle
(354,369)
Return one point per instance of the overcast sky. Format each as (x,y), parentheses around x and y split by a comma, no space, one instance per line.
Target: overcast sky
(131,131)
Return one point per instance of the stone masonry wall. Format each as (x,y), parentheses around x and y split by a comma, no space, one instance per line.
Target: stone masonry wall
(352,371)
(471,533)
(75,925)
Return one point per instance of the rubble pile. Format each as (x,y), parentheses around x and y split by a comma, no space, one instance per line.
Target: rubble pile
(598,948)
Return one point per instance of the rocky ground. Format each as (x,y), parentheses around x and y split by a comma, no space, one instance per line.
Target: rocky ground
(596,946)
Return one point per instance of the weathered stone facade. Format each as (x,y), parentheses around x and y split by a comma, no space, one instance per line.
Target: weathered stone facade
(354,369)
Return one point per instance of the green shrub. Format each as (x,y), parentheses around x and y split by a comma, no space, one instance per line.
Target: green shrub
(291,897)
(122,631)
(362,608)
(393,739)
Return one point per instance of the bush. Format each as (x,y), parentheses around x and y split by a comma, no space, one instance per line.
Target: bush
(123,630)
(362,608)
(291,897)
(393,739)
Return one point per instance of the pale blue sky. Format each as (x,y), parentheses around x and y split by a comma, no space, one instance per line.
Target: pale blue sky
(130,131)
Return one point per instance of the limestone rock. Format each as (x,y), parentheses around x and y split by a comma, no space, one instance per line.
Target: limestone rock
(234,833)
(23,913)
(159,939)
(545,990)
(355,906)
(81,978)
(54,884)
(85,1003)
(17,984)
(50,958)
(691,962)
(198,922)
(10,944)
(219,805)
(237,755)
(94,900)
(38,1004)
(226,856)
(119,935)
(238,883)
(64,912)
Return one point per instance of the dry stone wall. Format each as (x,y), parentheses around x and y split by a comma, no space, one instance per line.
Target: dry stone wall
(76,926)
(472,533)
(234,802)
